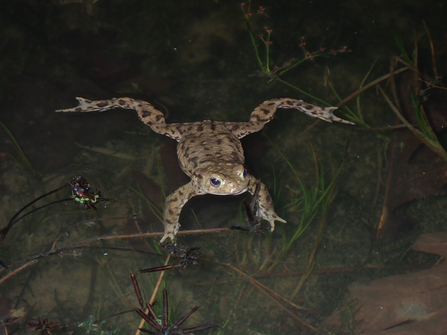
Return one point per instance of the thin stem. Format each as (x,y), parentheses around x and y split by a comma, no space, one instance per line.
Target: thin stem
(264,289)
(302,91)
(364,88)
(41,207)
(11,222)
(154,294)
(255,47)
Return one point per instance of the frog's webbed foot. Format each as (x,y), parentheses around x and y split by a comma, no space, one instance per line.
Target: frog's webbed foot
(173,207)
(264,202)
(86,105)
(170,233)
(269,215)
(323,113)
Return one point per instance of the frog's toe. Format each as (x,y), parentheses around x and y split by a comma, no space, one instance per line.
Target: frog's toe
(272,220)
(171,236)
(280,220)
(171,229)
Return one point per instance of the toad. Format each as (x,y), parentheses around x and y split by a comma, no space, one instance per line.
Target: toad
(210,152)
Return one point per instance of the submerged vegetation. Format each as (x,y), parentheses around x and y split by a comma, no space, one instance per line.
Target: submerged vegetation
(245,278)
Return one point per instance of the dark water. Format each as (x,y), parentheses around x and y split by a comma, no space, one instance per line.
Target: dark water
(195,60)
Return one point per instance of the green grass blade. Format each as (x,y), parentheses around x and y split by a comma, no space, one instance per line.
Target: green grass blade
(18,149)
(158,213)
(400,46)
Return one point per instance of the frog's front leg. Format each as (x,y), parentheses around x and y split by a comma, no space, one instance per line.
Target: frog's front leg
(265,208)
(173,207)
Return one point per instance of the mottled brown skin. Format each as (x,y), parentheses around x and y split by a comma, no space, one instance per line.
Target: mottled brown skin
(210,152)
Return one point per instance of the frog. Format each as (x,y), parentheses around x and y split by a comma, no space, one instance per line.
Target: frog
(210,153)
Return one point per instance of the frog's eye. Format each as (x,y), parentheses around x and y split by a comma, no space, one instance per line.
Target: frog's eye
(244,173)
(214,182)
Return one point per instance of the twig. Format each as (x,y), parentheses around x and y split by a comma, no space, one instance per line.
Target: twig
(397,126)
(437,149)
(77,224)
(12,273)
(267,291)
(154,294)
(82,244)
(364,88)
(432,48)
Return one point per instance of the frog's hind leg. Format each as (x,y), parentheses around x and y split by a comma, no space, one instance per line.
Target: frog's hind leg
(265,112)
(147,113)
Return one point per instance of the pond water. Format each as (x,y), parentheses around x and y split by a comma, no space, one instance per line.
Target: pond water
(355,197)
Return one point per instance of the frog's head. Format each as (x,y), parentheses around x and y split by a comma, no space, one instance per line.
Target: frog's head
(222,179)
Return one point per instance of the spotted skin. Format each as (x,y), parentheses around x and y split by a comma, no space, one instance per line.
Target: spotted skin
(210,152)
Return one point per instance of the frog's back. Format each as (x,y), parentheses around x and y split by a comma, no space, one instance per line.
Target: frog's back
(208,142)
